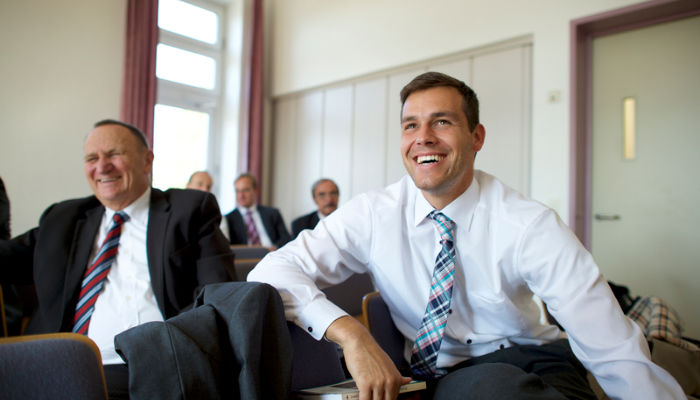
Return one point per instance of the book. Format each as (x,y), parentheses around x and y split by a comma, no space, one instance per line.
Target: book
(346,390)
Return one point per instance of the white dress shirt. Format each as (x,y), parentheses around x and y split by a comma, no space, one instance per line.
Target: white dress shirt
(223,226)
(127,298)
(262,233)
(508,249)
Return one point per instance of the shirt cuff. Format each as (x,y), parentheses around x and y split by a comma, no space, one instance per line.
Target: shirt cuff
(318,315)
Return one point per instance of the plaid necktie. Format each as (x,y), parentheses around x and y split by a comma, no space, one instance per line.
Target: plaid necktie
(429,336)
(95,275)
(253,237)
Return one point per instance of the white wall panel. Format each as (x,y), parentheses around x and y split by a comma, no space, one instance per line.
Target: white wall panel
(307,156)
(460,69)
(369,136)
(499,82)
(337,138)
(284,176)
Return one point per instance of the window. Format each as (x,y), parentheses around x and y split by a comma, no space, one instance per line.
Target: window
(202,24)
(183,149)
(188,69)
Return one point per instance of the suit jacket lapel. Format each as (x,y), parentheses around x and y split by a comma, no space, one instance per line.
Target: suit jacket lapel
(265,215)
(83,243)
(239,225)
(158,218)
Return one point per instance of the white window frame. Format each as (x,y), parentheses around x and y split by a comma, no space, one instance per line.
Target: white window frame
(194,98)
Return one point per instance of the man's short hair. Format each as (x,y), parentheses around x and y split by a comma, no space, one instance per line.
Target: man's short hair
(134,130)
(428,80)
(249,176)
(320,181)
(198,172)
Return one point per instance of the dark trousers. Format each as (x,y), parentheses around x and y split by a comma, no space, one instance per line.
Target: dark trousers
(117,379)
(549,371)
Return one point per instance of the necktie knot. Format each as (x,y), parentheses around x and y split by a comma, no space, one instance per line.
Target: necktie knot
(120,217)
(445,226)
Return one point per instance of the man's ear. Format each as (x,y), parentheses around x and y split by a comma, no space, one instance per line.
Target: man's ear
(149,161)
(478,137)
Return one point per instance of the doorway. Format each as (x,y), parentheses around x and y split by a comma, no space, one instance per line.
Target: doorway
(645,227)
(645,234)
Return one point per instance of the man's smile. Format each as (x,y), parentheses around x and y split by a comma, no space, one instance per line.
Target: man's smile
(108,180)
(429,159)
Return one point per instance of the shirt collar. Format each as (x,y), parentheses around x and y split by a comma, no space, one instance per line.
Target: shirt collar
(244,210)
(137,211)
(460,210)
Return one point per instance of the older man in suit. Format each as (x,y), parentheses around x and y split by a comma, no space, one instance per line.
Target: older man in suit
(127,255)
(253,224)
(325,194)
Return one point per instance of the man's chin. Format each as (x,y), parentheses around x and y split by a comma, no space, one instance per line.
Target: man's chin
(426,183)
(109,198)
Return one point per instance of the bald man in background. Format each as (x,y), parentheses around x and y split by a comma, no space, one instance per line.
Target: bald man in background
(200,180)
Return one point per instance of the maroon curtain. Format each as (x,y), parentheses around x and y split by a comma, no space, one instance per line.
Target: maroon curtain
(254,93)
(139,88)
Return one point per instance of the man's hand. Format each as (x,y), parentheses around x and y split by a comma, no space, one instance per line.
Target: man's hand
(373,371)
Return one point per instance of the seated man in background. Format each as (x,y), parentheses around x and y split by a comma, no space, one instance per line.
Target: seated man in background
(127,255)
(325,194)
(457,256)
(253,224)
(202,180)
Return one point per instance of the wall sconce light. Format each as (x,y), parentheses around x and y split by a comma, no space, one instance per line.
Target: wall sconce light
(629,105)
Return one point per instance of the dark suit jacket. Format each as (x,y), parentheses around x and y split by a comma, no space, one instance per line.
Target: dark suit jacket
(307,221)
(4,212)
(234,344)
(185,248)
(272,220)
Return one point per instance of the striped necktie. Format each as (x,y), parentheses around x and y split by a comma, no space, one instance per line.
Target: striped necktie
(429,337)
(253,237)
(95,275)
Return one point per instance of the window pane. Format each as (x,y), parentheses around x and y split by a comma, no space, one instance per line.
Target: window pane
(184,66)
(188,20)
(180,138)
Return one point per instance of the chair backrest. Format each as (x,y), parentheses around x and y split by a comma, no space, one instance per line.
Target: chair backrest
(382,328)
(315,362)
(348,295)
(51,366)
(246,257)
(243,251)
(243,267)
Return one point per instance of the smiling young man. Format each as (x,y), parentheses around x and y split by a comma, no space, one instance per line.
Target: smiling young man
(325,194)
(144,252)
(457,256)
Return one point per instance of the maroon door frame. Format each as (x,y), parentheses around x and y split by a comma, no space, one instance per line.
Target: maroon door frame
(583,31)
